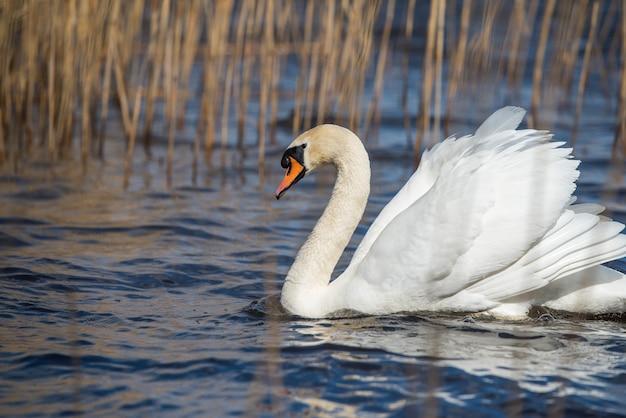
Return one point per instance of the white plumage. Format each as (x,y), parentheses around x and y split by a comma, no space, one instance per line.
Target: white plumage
(486,223)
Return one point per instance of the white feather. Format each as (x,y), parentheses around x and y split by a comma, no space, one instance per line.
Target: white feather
(486,223)
(505,119)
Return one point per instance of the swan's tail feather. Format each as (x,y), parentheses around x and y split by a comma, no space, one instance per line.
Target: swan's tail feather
(593,208)
(580,239)
(594,290)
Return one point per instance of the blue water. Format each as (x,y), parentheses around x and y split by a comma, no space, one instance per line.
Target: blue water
(157,300)
(161,300)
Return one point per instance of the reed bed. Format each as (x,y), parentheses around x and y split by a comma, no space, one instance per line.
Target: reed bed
(70,68)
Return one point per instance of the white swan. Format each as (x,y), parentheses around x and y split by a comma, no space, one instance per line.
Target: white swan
(486,224)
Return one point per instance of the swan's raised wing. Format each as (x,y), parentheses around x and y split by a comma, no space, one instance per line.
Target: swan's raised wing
(507,118)
(490,202)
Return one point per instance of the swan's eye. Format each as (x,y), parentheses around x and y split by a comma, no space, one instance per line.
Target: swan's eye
(297,153)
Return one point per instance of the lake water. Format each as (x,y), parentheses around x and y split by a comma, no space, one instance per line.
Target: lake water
(161,300)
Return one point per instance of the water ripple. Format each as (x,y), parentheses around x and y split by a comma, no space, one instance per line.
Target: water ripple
(166,302)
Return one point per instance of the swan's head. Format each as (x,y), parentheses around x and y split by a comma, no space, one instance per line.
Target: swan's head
(324,144)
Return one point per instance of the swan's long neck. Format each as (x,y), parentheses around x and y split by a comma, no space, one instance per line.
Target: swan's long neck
(305,288)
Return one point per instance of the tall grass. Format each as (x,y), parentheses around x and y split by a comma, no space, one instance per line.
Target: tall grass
(70,68)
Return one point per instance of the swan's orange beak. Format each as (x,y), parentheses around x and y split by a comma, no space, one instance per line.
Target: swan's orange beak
(295,171)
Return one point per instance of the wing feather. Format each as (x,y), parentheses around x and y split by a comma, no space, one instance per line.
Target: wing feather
(482,202)
(507,118)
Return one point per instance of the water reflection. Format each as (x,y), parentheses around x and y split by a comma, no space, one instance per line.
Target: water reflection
(561,358)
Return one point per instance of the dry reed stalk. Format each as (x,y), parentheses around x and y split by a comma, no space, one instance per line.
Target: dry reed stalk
(172,48)
(347,58)
(338,57)
(19,97)
(595,8)
(133,16)
(154,58)
(557,53)
(30,75)
(619,140)
(309,101)
(611,20)
(565,38)
(457,62)
(60,59)
(51,102)
(439,68)
(533,120)
(106,81)
(210,85)
(329,56)
(267,63)
(168,68)
(201,120)
(273,117)
(223,16)
(450,29)
(237,54)
(373,110)
(206,122)
(66,104)
(314,63)
(85,76)
(247,63)
(408,32)
(189,49)
(203,117)
(482,48)
(306,54)
(603,64)
(516,28)
(45,45)
(284,16)
(365,58)
(122,92)
(517,74)
(359,43)
(2,146)
(317,51)
(228,87)
(578,19)
(116,49)
(423,116)
(88,35)
(130,147)
(6,19)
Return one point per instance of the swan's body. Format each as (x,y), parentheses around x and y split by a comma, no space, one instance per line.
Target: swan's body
(486,224)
